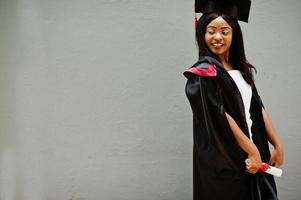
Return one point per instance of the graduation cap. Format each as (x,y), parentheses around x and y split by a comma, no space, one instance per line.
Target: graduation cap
(238,9)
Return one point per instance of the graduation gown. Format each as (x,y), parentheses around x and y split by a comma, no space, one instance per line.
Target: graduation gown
(218,161)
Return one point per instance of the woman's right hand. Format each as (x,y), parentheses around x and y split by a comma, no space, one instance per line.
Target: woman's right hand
(254,161)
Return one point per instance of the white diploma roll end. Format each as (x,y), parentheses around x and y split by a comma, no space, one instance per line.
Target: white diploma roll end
(271,170)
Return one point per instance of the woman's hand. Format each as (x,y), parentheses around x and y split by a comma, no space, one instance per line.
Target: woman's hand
(277,157)
(254,161)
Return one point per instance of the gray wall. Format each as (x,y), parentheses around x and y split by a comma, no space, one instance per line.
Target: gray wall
(92,96)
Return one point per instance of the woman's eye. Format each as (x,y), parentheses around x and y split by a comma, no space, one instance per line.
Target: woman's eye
(211,32)
(225,32)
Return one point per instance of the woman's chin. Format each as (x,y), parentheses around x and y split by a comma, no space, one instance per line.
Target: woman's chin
(218,52)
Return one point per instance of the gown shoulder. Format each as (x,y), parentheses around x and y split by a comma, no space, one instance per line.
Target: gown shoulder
(203,69)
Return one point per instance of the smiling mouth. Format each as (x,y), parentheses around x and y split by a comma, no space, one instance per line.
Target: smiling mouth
(217,44)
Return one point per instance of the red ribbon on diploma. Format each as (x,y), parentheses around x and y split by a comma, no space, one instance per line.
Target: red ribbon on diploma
(264,167)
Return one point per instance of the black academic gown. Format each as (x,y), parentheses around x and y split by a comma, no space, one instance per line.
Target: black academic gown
(218,161)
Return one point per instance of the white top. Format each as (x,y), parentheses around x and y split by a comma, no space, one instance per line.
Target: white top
(246,94)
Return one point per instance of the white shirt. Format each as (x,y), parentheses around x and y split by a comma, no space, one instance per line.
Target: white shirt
(246,94)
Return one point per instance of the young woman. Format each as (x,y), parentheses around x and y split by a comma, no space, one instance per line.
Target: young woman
(229,119)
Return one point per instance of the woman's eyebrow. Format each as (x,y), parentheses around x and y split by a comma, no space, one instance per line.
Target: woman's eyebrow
(211,27)
(224,27)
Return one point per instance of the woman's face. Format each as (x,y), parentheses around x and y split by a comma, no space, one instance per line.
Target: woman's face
(218,37)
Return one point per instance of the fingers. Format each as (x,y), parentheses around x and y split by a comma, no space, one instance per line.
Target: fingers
(251,169)
(277,164)
(273,159)
(276,159)
(274,162)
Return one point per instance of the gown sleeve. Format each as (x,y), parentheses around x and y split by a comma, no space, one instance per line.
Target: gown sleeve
(258,98)
(213,137)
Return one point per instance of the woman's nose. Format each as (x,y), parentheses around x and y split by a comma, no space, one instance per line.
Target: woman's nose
(218,36)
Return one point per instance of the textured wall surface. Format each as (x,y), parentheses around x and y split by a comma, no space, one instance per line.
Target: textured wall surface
(92,96)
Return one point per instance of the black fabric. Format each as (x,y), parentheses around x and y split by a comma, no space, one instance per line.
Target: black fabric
(218,161)
(238,9)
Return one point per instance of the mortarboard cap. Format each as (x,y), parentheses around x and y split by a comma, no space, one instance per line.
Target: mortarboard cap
(236,8)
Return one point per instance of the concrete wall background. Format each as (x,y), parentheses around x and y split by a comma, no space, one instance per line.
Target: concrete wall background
(92,96)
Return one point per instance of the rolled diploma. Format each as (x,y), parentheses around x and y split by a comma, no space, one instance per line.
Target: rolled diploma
(268,169)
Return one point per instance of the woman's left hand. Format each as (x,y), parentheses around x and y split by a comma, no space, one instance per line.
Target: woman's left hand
(277,157)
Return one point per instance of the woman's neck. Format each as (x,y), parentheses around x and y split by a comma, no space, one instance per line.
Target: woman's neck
(225,62)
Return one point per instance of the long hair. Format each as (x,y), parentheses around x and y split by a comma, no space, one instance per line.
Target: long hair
(237,55)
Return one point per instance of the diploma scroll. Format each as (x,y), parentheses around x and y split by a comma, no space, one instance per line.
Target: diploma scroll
(268,169)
